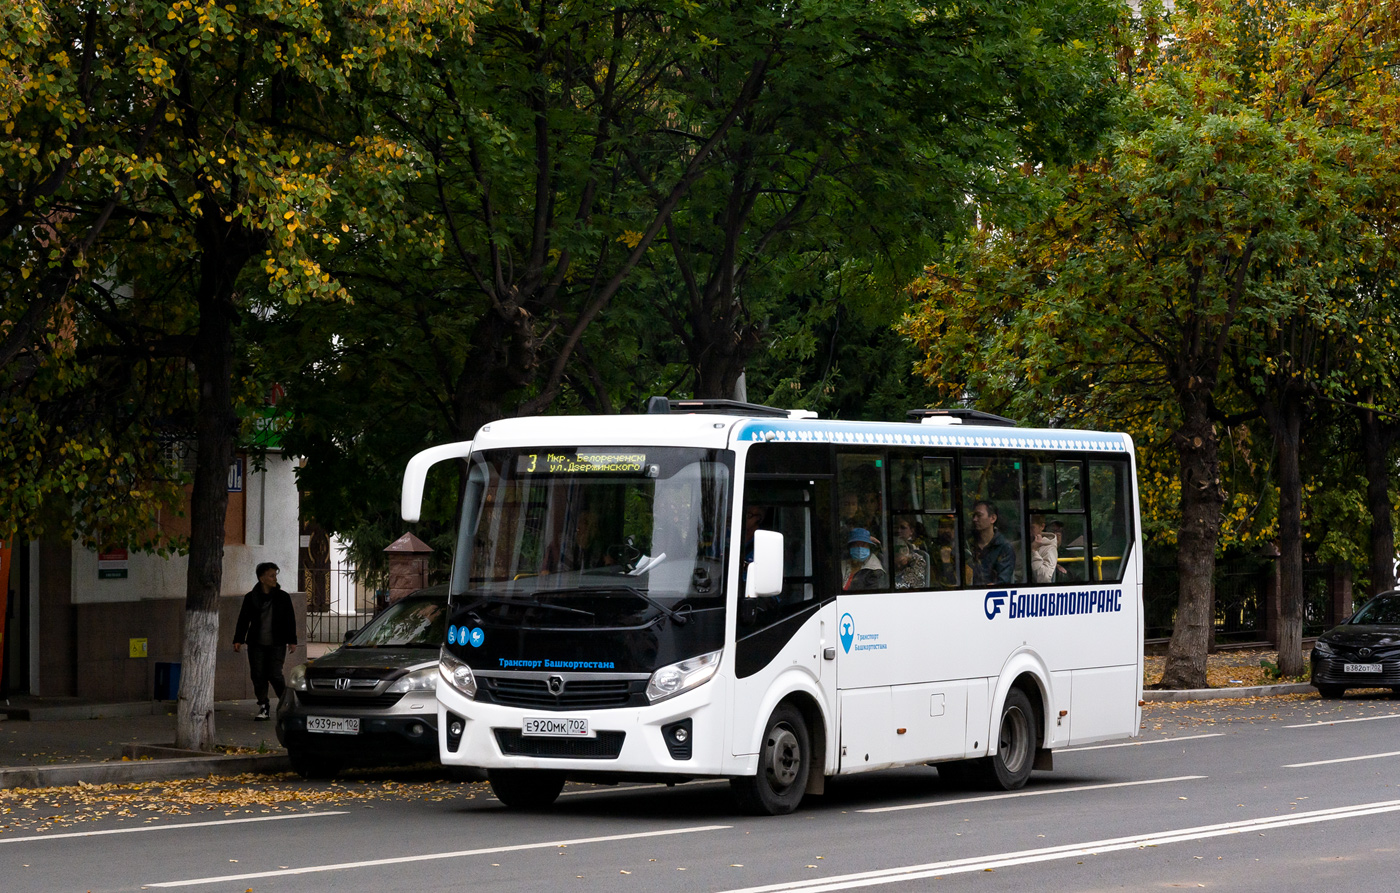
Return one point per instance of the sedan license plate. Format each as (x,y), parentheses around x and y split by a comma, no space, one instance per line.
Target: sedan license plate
(1361,668)
(335,725)
(555,727)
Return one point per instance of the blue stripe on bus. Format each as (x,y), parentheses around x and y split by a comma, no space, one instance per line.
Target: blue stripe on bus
(895,434)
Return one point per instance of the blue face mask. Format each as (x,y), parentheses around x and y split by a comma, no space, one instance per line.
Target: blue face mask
(860,553)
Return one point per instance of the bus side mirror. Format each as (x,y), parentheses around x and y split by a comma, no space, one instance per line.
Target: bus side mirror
(416,475)
(765,572)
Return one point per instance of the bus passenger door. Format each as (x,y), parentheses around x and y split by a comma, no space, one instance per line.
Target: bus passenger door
(782,641)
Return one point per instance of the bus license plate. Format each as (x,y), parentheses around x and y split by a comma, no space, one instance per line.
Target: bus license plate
(335,725)
(1361,668)
(555,727)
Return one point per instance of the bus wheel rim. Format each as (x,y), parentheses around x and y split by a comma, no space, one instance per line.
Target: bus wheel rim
(784,757)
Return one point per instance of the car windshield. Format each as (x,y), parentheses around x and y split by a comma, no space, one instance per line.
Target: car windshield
(410,623)
(595,531)
(1379,610)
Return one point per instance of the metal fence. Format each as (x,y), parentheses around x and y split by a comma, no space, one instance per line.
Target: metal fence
(1241,592)
(331,628)
(335,604)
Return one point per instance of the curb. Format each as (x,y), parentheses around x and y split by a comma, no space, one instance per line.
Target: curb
(1216,694)
(130,771)
(84,711)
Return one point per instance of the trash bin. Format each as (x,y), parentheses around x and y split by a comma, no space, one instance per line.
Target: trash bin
(167,681)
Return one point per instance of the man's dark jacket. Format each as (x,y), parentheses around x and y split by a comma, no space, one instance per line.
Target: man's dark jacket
(284,622)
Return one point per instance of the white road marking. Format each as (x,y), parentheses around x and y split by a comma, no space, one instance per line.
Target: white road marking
(1337,722)
(1069,851)
(1141,743)
(172,827)
(428,857)
(1372,756)
(1035,793)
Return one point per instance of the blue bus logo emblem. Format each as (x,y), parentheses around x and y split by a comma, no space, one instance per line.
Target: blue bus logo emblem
(993,603)
(477,636)
(848,632)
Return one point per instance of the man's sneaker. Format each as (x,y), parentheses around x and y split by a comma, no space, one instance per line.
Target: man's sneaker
(262,713)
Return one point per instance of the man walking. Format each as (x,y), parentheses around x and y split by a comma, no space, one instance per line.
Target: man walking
(267,625)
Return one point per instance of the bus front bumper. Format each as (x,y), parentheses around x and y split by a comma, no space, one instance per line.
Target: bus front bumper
(681,736)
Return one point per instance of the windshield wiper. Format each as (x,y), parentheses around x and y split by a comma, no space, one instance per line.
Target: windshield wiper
(530,602)
(677,618)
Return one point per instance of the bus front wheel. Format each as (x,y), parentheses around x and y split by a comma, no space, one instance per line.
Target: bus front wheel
(526,788)
(1017,739)
(784,763)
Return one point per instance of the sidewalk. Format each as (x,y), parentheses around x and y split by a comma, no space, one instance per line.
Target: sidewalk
(51,742)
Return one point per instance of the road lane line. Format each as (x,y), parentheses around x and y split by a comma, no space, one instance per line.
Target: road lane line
(1372,756)
(429,857)
(1337,722)
(172,827)
(1035,793)
(1068,851)
(1141,743)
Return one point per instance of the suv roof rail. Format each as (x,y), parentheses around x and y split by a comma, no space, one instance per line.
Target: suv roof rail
(958,416)
(663,405)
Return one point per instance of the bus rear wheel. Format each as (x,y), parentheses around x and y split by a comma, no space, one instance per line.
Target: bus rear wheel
(1018,737)
(784,764)
(526,788)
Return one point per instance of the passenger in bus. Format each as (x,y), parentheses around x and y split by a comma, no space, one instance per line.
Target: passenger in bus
(861,568)
(910,566)
(1045,551)
(990,560)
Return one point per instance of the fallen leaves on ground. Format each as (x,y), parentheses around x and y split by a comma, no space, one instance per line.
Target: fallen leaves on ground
(36,811)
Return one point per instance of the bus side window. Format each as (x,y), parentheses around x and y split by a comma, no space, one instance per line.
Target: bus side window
(862,543)
(1110,510)
(787,507)
(994,552)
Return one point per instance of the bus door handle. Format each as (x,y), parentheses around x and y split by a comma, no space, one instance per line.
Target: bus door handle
(829,653)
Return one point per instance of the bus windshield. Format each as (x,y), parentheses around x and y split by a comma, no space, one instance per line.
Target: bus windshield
(595,530)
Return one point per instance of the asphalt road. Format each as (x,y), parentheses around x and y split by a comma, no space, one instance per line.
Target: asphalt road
(1272,795)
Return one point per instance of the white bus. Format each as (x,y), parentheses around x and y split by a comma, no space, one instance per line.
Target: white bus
(715,589)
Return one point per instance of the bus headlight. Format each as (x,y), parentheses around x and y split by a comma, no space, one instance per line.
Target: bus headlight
(669,681)
(419,680)
(457,674)
(296,679)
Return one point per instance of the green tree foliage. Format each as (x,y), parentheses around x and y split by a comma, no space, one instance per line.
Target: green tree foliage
(1222,236)
(619,201)
(162,159)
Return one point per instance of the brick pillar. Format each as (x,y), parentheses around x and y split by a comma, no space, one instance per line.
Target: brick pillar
(408,565)
(1339,607)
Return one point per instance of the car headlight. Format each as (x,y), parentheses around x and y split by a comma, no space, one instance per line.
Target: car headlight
(419,680)
(1322,649)
(457,674)
(670,681)
(296,680)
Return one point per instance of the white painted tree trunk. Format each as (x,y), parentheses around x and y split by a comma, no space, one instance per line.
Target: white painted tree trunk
(195,714)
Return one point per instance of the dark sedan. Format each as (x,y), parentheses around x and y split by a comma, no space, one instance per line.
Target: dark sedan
(373,700)
(1363,652)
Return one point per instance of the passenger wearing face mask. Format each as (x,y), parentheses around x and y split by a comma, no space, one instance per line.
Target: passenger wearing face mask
(861,568)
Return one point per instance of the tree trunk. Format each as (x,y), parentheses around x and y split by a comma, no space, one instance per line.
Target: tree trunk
(1286,420)
(216,427)
(1201,502)
(1377,439)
